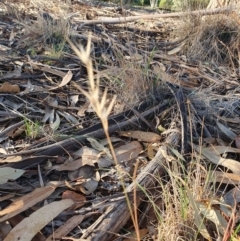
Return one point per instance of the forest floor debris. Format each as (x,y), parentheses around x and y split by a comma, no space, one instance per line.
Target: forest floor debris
(174,125)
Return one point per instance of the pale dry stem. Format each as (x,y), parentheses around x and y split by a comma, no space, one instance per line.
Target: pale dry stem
(98,104)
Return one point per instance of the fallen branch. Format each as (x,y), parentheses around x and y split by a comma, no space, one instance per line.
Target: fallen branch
(108,20)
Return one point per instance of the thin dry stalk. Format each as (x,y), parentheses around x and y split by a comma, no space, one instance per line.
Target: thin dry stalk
(135,202)
(98,104)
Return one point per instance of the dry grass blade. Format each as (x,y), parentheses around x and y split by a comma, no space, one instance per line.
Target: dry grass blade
(23,203)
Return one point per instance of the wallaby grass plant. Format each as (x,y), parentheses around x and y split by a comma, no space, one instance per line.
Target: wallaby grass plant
(99,106)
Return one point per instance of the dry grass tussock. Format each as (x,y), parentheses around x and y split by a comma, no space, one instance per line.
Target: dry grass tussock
(51,26)
(132,78)
(213,39)
(46,30)
(186,189)
(49,32)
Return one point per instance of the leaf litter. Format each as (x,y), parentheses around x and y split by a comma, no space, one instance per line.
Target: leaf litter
(47,122)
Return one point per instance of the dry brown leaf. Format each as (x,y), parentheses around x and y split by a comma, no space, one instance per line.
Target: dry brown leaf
(9,88)
(89,156)
(83,172)
(226,131)
(83,108)
(7,197)
(14,221)
(150,151)
(30,226)
(213,215)
(12,36)
(177,49)
(156,66)
(189,82)
(78,198)
(68,165)
(66,228)
(232,197)
(237,141)
(225,177)
(213,156)
(3,151)
(222,149)
(10,159)
(88,187)
(136,57)
(141,135)
(17,132)
(23,203)
(128,151)
(67,78)
(5,228)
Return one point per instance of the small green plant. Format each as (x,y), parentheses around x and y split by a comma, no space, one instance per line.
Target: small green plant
(32,129)
(56,50)
(235,235)
(32,51)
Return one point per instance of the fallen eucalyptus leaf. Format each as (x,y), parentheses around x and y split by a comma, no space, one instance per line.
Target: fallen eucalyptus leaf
(30,226)
(8,173)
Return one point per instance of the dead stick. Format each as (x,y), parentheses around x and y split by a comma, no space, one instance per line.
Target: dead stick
(109,20)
